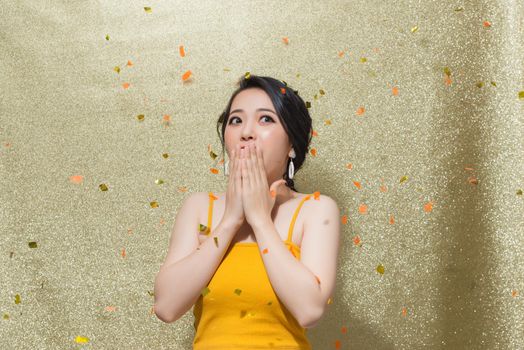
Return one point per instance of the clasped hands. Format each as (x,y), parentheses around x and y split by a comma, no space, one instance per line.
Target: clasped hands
(258,198)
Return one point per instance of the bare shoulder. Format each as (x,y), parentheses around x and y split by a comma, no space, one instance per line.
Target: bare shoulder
(321,206)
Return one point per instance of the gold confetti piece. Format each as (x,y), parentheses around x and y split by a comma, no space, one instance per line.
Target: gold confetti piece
(32,245)
(159,181)
(480,84)
(213,155)
(363,59)
(519,192)
(117,69)
(227,70)
(447,71)
(140,117)
(148,9)
(247,75)
(494,84)
(153,204)
(243,313)
(403,178)
(6,316)
(165,155)
(107,36)
(459,9)
(329,301)
(521,94)
(215,238)
(414,29)
(205,291)
(308,104)
(270,303)
(17,299)
(327,122)
(238,291)
(380,269)
(322,92)
(103,187)
(81,340)
(203,229)
(152,294)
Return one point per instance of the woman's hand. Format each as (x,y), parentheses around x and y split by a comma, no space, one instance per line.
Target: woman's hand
(234,211)
(258,198)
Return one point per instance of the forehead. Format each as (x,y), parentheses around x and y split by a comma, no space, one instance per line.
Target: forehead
(252,98)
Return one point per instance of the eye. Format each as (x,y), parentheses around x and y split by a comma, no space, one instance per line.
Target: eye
(264,116)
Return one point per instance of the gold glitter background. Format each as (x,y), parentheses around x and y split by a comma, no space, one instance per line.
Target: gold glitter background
(419,140)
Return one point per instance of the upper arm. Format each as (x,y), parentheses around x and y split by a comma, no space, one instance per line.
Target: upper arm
(321,243)
(184,234)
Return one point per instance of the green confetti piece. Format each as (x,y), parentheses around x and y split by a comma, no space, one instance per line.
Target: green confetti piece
(380,269)
(519,192)
(205,291)
(238,291)
(159,181)
(459,9)
(403,178)
(32,244)
(521,94)
(103,187)
(17,299)
(247,75)
(6,316)
(493,83)
(447,71)
(107,36)
(480,84)
(308,104)
(363,59)
(315,97)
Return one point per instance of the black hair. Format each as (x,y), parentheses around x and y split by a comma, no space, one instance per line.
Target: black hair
(291,110)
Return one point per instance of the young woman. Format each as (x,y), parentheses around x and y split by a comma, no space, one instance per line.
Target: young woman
(266,271)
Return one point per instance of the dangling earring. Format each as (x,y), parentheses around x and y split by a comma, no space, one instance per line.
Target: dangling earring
(291,167)
(226,168)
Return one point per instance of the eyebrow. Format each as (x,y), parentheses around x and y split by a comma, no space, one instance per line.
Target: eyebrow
(260,109)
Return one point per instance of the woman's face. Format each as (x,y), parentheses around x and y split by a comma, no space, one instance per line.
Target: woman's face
(253,119)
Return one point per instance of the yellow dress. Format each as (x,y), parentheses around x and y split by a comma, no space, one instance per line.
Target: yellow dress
(240,309)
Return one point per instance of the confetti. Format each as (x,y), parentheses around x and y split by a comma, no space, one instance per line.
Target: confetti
(126,85)
(521,94)
(181,51)
(404,311)
(486,24)
(205,291)
(337,344)
(216,240)
(273,193)
(363,209)
(247,75)
(32,245)
(17,299)
(344,330)
(285,40)
(340,53)
(238,291)
(81,340)
(110,308)
(380,269)
(414,29)
(117,69)
(361,110)
(214,170)
(76,179)
(147,9)
(265,251)
(140,117)
(153,204)
(428,207)
(519,192)
(6,316)
(318,279)
(123,252)
(356,240)
(313,152)
(129,63)
(314,133)
(344,219)
(165,155)
(213,155)
(391,219)
(159,181)
(186,75)
(107,36)
(308,104)
(316,195)
(357,184)
(269,303)
(283,91)
(103,187)
(403,178)
(363,59)
(394,90)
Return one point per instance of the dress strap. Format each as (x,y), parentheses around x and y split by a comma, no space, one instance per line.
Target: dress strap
(212,197)
(292,225)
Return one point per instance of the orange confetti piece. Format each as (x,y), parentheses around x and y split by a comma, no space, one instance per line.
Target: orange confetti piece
(340,53)
(181,51)
(265,251)
(283,91)
(126,85)
(313,152)
(285,40)
(316,194)
(344,219)
(76,179)
(395,91)
(404,311)
(214,170)
(391,219)
(182,189)
(383,188)
(357,184)
(327,122)
(473,180)
(428,207)
(356,240)
(363,209)
(349,166)
(486,24)
(110,308)
(123,252)
(344,330)
(314,133)
(186,75)
(514,293)
(361,110)
(447,80)
(273,193)
(337,344)
(129,63)
(166,118)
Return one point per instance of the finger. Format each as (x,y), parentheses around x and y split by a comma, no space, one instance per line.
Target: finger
(261,168)
(254,166)
(250,168)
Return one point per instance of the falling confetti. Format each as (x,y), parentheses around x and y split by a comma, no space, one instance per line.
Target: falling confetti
(285,40)
(140,117)
(380,269)
(159,181)
(486,24)
(283,91)
(76,179)
(414,29)
(165,155)
(205,291)
(313,152)
(103,187)
(361,110)
(357,184)
(363,209)
(214,170)
(123,253)
(521,94)
(356,240)
(344,219)
(17,299)
(147,9)
(394,90)
(153,204)
(428,207)
(238,291)
(126,85)
(32,245)
(308,104)
(129,63)
(186,75)
(181,51)
(391,219)
(363,59)
(403,179)
(216,240)
(107,36)
(247,75)
(316,195)
(265,251)
(117,69)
